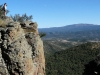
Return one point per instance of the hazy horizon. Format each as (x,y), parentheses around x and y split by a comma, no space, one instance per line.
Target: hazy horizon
(70,24)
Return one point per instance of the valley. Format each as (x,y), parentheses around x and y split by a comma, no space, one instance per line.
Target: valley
(72,50)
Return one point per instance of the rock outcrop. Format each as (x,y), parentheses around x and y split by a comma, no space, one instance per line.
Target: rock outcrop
(21,50)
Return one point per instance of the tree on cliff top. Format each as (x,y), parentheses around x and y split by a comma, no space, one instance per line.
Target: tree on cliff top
(22,18)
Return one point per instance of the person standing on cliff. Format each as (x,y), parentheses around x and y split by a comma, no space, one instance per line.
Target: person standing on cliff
(5,8)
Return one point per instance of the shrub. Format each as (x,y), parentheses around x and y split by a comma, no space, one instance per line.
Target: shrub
(42,34)
(22,18)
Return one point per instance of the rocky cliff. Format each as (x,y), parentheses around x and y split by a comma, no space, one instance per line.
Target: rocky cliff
(21,49)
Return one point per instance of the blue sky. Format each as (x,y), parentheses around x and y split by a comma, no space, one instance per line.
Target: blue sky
(56,13)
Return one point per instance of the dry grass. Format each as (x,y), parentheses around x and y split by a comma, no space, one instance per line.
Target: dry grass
(29,30)
(2,23)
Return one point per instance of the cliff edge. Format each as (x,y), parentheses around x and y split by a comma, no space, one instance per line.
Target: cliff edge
(21,49)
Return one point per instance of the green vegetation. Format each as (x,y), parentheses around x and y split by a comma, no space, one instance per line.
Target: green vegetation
(22,18)
(16,17)
(2,12)
(73,60)
(42,34)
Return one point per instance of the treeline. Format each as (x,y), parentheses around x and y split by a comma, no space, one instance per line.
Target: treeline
(72,61)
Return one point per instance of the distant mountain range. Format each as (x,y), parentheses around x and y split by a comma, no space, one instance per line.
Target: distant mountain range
(71,28)
(75,32)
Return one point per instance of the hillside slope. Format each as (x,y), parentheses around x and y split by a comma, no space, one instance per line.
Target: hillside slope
(52,46)
(74,61)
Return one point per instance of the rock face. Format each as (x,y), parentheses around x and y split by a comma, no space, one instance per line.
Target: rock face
(21,50)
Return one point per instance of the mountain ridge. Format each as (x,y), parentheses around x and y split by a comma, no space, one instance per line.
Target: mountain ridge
(71,28)
(78,24)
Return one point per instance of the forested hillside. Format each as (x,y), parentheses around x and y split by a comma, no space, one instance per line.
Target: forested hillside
(74,61)
(52,46)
